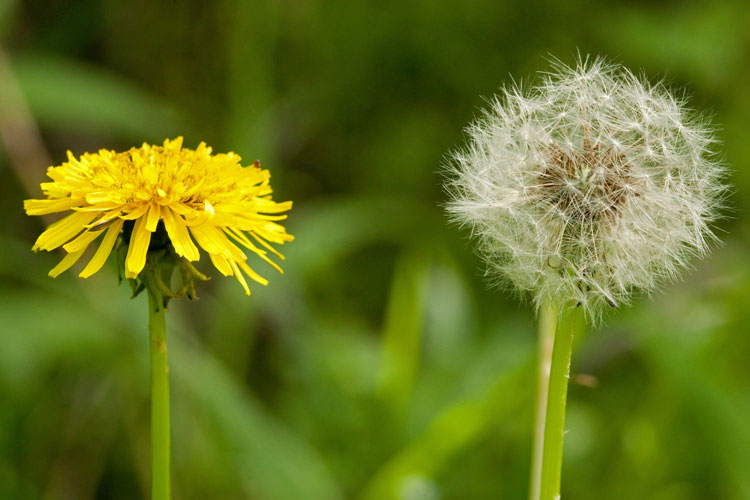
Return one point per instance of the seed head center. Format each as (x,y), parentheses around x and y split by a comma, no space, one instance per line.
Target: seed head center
(585,186)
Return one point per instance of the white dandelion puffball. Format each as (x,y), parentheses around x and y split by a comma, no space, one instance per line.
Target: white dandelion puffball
(588,186)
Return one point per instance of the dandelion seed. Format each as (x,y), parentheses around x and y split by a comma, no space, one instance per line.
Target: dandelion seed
(593,168)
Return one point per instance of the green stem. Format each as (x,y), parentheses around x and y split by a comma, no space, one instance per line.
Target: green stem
(547,324)
(160,484)
(554,427)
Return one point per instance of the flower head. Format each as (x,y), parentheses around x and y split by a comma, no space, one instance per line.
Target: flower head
(588,186)
(160,196)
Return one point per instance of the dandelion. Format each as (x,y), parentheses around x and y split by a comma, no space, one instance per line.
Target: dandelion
(590,186)
(149,204)
(156,197)
(581,190)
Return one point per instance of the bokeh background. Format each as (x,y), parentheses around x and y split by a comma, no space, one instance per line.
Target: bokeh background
(380,365)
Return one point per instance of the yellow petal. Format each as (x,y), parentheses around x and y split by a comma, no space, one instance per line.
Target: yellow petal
(271,217)
(241,238)
(137,212)
(272,232)
(97,197)
(271,207)
(240,277)
(63,230)
(152,220)
(105,248)
(139,240)
(212,240)
(178,234)
(175,144)
(221,263)
(266,245)
(99,207)
(196,218)
(42,207)
(82,241)
(181,209)
(105,218)
(255,276)
(65,263)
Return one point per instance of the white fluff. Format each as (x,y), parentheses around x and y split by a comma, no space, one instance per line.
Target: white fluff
(588,186)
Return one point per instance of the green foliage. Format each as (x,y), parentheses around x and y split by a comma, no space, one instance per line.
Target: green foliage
(91,100)
(379,365)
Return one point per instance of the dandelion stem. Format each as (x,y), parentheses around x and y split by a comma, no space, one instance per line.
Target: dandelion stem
(160,484)
(547,325)
(554,426)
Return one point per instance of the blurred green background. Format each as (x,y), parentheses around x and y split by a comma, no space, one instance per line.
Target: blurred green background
(379,366)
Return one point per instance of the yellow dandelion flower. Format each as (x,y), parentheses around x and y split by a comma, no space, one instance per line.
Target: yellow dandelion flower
(153,194)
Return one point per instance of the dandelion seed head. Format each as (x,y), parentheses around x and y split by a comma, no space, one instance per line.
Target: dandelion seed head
(588,186)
